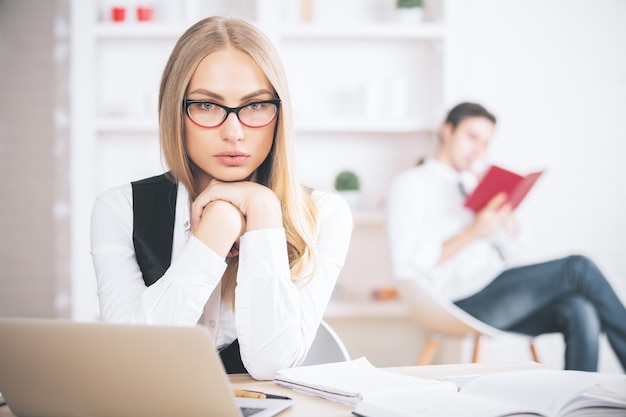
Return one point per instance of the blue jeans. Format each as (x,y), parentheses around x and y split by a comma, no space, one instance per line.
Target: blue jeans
(569,296)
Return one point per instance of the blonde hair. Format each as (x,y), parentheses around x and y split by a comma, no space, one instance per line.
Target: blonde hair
(277,171)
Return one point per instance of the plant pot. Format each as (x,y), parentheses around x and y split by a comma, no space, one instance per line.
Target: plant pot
(352,197)
(145,13)
(410,15)
(118,14)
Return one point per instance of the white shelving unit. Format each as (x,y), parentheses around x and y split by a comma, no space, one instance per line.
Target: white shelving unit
(367,96)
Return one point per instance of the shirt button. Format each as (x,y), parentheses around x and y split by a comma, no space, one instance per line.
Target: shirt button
(211,323)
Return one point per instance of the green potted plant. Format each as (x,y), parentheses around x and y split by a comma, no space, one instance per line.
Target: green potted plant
(410,11)
(409,3)
(347,181)
(347,184)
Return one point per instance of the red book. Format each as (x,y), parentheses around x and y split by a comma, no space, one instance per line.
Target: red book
(498,179)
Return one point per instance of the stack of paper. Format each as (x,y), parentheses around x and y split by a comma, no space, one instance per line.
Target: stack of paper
(351,382)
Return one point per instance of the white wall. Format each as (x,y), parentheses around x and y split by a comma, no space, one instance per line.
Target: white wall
(554,72)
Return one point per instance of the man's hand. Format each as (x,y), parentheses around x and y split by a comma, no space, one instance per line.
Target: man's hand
(495,213)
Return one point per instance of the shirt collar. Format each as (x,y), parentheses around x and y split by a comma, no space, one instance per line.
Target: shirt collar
(442,170)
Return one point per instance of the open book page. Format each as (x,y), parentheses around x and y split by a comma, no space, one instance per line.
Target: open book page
(517,195)
(551,392)
(433,403)
(350,382)
(546,393)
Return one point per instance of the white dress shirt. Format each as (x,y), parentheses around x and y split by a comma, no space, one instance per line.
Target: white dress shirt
(275,318)
(424,210)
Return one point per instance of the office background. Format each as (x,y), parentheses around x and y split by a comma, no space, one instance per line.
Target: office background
(553,72)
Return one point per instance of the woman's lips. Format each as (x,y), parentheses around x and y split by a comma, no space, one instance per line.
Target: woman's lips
(232,158)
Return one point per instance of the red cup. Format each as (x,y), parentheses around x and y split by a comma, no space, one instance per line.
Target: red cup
(145,13)
(118,14)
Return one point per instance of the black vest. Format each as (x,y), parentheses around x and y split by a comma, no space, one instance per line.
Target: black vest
(154,211)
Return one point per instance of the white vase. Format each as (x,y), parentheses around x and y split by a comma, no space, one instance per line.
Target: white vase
(410,15)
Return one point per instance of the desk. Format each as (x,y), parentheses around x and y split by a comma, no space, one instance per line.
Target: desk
(309,406)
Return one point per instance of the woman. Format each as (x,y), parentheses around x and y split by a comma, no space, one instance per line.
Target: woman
(467,256)
(227,239)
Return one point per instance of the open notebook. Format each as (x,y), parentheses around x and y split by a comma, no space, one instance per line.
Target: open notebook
(63,368)
(353,381)
(536,392)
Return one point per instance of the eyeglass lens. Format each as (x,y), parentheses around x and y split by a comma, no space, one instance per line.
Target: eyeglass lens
(209,114)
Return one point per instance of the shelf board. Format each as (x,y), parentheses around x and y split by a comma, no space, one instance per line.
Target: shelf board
(120,125)
(339,309)
(360,125)
(139,30)
(392,31)
(368,217)
(112,125)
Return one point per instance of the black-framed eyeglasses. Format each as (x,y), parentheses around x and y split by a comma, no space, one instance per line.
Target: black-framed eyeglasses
(208,114)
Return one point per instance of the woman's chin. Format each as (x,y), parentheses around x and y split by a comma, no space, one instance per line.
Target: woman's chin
(233,178)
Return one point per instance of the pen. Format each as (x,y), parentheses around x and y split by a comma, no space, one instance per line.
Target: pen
(248,394)
(256,394)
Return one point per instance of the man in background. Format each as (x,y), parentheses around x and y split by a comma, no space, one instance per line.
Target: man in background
(464,255)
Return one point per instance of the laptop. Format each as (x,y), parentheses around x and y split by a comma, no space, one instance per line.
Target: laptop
(58,368)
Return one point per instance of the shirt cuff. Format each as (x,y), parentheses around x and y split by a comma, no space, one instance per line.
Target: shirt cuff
(197,260)
(180,295)
(263,253)
(427,256)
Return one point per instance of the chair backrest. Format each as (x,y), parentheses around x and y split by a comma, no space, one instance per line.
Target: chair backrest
(327,347)
(438,314)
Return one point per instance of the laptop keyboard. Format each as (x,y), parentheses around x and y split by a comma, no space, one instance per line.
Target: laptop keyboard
(250,411)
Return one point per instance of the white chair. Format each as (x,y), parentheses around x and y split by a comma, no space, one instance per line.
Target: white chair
(441,317)
(327,347)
